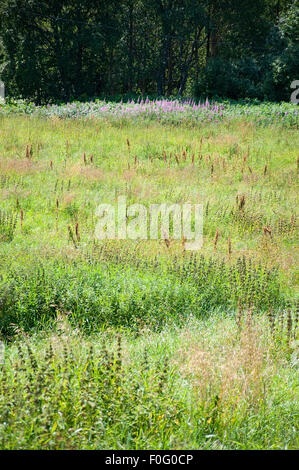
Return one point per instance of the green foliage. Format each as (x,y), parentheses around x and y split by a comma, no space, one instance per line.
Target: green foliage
(289,23)
(7,226)
(151,392)
(121,295)
(230,78)
(96,402)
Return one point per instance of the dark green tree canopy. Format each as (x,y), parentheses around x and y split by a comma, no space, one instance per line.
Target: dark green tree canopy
(80,49)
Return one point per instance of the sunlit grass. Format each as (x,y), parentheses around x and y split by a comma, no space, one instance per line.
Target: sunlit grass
(220,163)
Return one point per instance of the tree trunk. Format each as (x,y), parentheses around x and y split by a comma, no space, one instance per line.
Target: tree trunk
(186,67)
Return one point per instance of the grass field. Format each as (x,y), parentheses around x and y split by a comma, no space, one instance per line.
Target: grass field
(141,344)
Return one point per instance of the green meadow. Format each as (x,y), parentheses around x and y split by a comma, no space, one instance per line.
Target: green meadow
(141,344)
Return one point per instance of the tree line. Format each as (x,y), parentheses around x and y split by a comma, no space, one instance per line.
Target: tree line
(62,50)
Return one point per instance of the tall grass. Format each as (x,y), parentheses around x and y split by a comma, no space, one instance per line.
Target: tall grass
(210,385)
(124,344)
(115,293)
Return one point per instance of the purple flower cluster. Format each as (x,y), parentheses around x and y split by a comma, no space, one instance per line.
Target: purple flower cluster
(133,109)
(163,110)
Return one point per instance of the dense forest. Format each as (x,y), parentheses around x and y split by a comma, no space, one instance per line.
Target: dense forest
(61,50)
